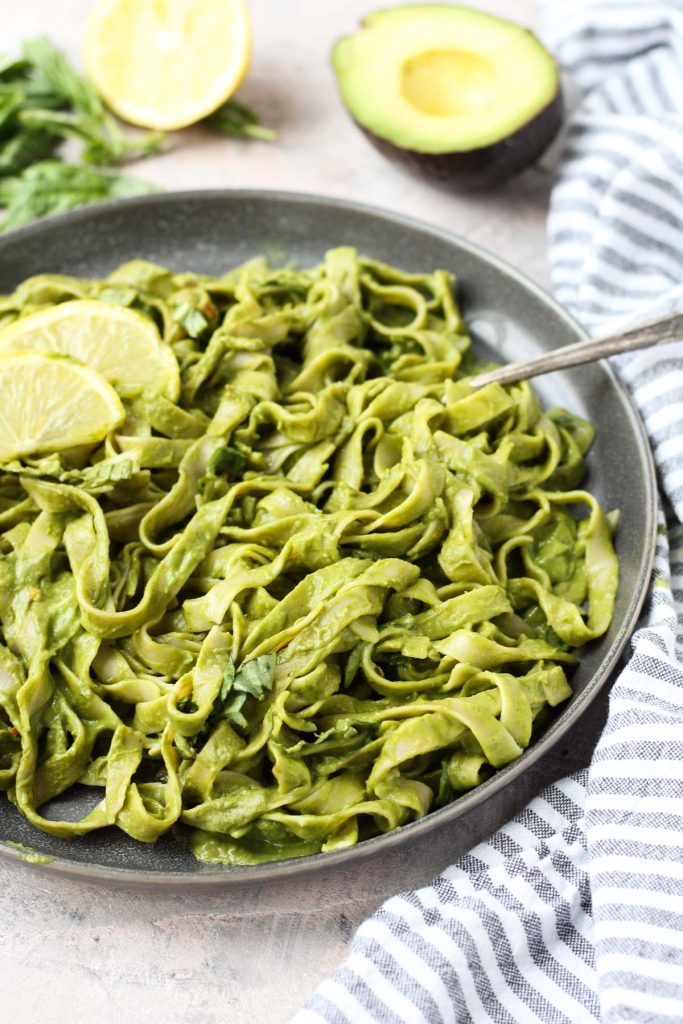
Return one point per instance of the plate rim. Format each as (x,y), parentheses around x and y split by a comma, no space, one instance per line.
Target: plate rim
(277,871)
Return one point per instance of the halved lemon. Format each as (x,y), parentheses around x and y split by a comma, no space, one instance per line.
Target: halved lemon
(50,403)
(167,63)
(122,345)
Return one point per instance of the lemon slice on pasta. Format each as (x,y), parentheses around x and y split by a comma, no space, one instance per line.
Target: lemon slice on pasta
(120,344)
(50,403)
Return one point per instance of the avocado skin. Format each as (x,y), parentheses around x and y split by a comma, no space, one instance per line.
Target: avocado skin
(477,169)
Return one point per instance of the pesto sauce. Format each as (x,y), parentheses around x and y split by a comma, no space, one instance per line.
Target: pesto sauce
(328,587)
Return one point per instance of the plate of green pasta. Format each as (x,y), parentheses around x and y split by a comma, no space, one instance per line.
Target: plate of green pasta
(278,587)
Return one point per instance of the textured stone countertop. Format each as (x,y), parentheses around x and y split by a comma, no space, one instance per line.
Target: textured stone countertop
(74,951)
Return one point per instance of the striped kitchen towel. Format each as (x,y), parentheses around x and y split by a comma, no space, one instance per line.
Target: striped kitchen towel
(573,912)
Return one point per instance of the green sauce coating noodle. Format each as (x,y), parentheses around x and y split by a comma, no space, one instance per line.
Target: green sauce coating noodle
(329,589)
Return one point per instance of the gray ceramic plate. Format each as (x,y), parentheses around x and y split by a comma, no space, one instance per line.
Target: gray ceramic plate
(210,232)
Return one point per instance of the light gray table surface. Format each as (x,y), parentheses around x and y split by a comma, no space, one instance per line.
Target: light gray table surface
(74,951)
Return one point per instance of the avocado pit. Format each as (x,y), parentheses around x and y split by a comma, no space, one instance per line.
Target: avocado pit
(446,83)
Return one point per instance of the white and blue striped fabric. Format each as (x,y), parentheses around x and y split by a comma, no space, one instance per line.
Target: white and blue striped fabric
(573,912)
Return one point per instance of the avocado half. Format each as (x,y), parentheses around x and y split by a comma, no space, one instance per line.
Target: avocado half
(462,97)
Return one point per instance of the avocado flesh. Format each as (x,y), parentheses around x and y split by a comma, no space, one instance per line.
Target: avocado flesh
(444,80)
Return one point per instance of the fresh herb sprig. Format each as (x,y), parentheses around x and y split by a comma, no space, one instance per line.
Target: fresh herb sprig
(254,679)
(76,111)
(226,463)
(42,102)
(51,186)
(239,121)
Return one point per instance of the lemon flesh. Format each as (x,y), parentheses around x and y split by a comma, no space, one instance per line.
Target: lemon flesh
(166,64)
(50,403)
(120,344)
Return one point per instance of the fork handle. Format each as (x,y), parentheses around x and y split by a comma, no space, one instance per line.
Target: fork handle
(653,332)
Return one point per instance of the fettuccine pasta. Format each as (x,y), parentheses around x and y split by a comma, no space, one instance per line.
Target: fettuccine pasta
(327,590)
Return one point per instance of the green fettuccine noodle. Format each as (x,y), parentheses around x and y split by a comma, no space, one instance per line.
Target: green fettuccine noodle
(328,590)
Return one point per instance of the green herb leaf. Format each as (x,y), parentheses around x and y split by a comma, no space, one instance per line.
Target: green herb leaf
(85,117)
(342,733)
(61,79)
(53,187)
(239,121)
(227,462)
(106,473)
(232,710)
(113,147)
(192,319)
(256,677)
(25,148)
(228,679)
(101,146)
(10,101)
(43,100)
(11,69)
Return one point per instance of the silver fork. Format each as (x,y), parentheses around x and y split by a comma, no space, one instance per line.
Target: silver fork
(654,332)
